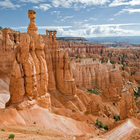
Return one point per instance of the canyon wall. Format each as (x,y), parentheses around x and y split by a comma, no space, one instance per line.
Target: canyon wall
(39,67)
(42,75)
(8,45)
(79,48)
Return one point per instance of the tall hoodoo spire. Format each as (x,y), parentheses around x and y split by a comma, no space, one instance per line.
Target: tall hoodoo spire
(32,26)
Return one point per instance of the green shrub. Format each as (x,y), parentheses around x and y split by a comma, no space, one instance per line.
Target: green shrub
(94,91)
(117,118)
(136,95)
(34,122)
(11,136)
(133,73)
(99,123)
(95,84)
(2,130)
(78,56)
(91,136)
(114,104)
(101,51)
(106,127)
(137,56)
(123,66)
(71,59)
(112,62)
(102,61)
(71,55)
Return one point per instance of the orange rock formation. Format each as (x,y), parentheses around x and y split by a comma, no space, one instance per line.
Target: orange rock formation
(79,48)
(43,80)
(43,75)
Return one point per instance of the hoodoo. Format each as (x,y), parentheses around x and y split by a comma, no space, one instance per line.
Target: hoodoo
(48,89)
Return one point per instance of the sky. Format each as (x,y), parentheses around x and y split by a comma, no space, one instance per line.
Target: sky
(74,18)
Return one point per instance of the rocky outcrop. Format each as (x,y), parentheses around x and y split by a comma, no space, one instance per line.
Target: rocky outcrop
(7,51)
(29,77)
(42,75)
(129,129)
(79,48)
(40,67)
(128,106)
(92,74)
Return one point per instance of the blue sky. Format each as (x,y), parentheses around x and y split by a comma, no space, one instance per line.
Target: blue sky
(78,18)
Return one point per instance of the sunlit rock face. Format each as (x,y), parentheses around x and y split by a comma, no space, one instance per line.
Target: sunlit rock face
(91,73)
(79,48)
(109,79)
(128,106)
(38,67)
(8,45)
(29,76)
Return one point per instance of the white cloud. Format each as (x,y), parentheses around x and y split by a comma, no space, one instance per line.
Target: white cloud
(86,20)
(42,27)
(134,2)
(70,32)
(66,18)
(118,3)
(93,19)
(111,25)
(109,31)
(32,1)
(100,31)
(77,3)
(56,21)
(81,23)
(110,19)
(124,2)
(129,10)
(55,12)
(53,27)
(91,30)
(90,9)
(43,7)
(9,4)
